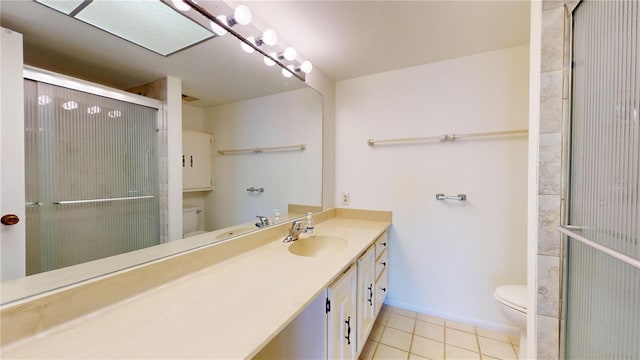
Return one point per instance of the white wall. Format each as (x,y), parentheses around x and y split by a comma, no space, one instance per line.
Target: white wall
(292,177)
(446,257)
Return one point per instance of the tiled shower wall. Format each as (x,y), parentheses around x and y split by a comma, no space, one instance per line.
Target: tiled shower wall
(552,170)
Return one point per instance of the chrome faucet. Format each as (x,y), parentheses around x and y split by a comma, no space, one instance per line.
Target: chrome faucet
(294,232)
(263,221)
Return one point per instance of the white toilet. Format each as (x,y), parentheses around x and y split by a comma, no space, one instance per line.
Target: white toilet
(190,217)
(513,303)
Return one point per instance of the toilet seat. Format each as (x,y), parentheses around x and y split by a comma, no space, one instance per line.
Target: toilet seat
(513,296)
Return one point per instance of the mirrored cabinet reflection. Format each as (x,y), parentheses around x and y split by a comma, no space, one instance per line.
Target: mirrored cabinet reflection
(197,161)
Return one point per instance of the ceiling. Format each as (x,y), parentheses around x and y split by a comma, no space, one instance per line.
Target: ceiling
(348,39)
(344,39)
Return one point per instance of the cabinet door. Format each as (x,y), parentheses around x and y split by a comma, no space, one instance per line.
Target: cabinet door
(366,295)
(197,157)
(341,317)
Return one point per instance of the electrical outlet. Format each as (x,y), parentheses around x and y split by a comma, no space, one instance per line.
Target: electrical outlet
(346,199)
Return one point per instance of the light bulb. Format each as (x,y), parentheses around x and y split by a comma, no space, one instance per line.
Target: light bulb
(114,113)
(181,5)
(306,66)
(217,29)
(44,99)
(290,53)
(93,109)
(242,15)
(269,37)
(268,61)
(288,72)
(248,49)
(70,105)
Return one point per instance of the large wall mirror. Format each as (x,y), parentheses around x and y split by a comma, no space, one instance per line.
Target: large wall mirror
(230,94)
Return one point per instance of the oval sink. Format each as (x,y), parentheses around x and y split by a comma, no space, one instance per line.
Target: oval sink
(236,231)
(317,245)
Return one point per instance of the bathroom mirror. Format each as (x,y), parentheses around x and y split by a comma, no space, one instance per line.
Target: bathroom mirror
(243,102)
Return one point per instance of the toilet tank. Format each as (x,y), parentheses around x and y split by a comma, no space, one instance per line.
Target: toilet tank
(190,219)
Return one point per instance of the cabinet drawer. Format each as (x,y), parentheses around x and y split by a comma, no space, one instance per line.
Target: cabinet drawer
(381,263)
(381,290)
(381,244)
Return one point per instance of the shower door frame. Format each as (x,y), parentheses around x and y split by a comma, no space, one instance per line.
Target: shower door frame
(51,78)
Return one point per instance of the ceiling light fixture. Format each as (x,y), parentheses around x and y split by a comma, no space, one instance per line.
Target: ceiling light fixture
(70,105)
(242,15)
(180,5)
(269,37)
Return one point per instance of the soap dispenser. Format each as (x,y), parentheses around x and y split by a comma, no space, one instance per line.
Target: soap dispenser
(309,229)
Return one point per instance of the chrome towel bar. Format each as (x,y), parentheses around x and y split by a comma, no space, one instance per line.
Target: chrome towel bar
(253,189)
(459,197)
(90,201)
(447,137)
(258,150)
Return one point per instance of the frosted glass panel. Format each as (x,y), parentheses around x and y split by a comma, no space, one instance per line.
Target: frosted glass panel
(82,152)
(603,293)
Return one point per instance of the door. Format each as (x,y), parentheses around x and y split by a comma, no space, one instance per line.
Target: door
(603,262)
(341,317)
(12,195)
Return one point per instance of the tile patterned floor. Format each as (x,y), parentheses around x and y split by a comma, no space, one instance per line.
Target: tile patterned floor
(403,334)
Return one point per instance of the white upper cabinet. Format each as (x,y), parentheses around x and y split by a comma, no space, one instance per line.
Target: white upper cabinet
(197,161)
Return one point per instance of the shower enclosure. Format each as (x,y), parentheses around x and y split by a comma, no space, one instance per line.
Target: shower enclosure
(602,291)
(92,177)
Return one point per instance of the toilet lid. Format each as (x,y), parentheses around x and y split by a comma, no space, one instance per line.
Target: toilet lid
(514,296)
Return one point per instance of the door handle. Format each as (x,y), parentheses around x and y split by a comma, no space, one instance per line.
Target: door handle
(370,299)
(191,160)
(182,160)
(9,219)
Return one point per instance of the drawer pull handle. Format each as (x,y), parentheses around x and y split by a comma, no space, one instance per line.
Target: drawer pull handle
(384,263)
(348,337)
(182,160)
(384,243)
(191,159)
(384,289)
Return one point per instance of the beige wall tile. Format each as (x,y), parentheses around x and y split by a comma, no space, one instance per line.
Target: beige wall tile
(548,338)
(551,101)
(548,221)
(548,285)
(550,4)
(552,46)
(550,164)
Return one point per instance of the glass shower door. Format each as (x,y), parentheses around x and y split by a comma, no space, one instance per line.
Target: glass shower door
(91,177)
(603,265)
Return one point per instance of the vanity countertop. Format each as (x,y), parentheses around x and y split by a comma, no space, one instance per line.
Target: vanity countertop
(229,310)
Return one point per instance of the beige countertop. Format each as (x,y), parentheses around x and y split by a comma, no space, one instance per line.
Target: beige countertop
(229,310)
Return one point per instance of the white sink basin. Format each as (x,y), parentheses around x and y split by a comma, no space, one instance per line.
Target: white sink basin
(317,245)
(236,231)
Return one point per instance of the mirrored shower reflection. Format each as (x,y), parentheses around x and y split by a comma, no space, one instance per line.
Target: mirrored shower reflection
(91,177)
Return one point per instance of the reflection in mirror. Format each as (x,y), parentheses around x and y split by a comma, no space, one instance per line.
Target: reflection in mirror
(233,97)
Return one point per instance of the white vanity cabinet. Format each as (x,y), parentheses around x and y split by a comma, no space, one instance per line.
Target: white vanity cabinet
(381,270)
(366,294)
(197,161)
(341,316)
